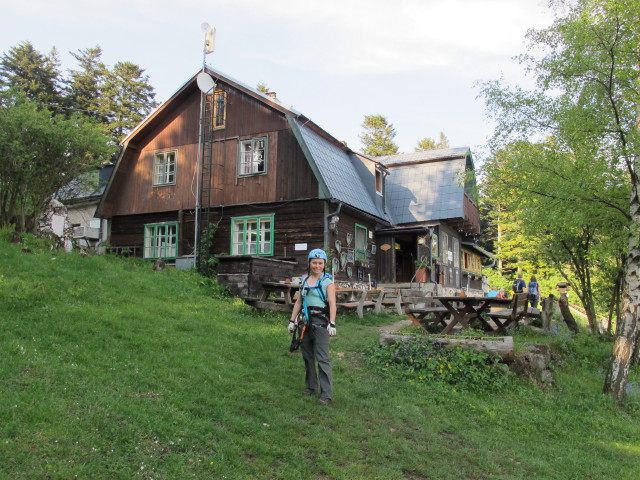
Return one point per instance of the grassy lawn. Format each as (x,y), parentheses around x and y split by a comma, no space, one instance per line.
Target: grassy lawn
(112,371)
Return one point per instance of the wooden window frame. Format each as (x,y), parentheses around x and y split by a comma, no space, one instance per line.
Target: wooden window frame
(242,154)
(435,252)
(155,241)
(163,176)
(444,248)
(241,243)
(360,254)
(219,119)
(379,182)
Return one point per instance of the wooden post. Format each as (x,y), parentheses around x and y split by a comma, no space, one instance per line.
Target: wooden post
(563,303)
(548,307)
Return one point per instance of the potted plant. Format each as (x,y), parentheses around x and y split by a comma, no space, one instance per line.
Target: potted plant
(421,271)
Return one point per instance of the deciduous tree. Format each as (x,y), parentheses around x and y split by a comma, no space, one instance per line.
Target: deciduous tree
(41,153)
(587,100)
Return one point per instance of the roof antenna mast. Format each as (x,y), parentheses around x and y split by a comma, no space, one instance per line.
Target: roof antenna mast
(206,84)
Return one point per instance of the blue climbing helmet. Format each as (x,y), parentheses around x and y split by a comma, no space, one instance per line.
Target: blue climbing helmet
(317,253)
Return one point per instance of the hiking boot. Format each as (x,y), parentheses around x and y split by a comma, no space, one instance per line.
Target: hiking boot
(307,392)
(324,401)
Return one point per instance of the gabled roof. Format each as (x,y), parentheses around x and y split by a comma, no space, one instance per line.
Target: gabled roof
(339,171)
(436,154)
(426,186)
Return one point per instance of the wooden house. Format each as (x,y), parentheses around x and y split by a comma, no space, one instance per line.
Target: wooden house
(263,180)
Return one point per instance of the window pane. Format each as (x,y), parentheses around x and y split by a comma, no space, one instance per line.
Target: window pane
(252,237)
(170,168)
(218,109)
(265,236)
(361,243)
(237,238)
(148,242)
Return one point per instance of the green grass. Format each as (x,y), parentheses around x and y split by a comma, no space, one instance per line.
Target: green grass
(112,371)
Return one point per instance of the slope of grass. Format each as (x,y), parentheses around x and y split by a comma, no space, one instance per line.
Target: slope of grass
(112,371)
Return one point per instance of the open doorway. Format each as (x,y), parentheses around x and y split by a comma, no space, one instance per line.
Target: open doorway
(405,249)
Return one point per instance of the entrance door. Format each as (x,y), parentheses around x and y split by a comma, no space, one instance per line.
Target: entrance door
(405,246)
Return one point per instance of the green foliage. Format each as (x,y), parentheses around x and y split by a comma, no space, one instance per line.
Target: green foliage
(117,98)
(430,144)
(114,371)
(262,87)
(207,262)
(37,75)
(564,153)
(127,98)
(418,360)
(84,86)
(378,136)
(43,153)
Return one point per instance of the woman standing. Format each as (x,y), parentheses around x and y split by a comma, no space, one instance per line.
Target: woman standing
(317,301)
(534,292)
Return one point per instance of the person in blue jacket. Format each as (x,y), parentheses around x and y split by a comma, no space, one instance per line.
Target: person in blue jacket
(317,301)
(534,292)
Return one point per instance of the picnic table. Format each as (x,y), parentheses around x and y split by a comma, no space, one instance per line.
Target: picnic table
(465,309)
(356,299)
(275,296)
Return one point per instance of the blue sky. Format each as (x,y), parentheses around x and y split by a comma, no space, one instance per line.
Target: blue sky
(414,61)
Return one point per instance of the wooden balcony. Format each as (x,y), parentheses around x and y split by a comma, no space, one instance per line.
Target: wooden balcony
(471,216)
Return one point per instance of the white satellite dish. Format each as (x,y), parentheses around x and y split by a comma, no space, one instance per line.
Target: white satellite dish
(205,83)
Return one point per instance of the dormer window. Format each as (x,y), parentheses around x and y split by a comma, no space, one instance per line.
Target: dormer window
(379,181)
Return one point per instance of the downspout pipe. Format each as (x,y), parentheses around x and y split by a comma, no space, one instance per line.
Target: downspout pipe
(326,225)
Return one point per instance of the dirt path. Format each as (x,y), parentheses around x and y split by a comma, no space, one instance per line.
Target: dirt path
(394,326)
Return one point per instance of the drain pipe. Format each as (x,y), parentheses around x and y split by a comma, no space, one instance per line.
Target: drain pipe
(326,224)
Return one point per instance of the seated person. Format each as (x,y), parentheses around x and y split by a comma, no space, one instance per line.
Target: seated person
(493,292)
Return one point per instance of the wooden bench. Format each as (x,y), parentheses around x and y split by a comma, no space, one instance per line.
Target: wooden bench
(392,297)
(365,300)
(509,316)
(423,309)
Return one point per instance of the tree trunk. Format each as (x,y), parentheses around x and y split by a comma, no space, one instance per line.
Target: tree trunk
(548,306)
(626,342)
(500,346)
(566,313)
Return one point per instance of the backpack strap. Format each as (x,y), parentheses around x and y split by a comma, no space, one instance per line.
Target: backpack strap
(321,292)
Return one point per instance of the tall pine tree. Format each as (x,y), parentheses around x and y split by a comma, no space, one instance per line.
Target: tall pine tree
(127,98)
(378,136)
(37,75)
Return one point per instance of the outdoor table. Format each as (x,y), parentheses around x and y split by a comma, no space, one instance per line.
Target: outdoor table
(346,294)
(465,309)
(282,290)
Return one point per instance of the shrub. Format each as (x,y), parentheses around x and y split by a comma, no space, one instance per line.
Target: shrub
(421,361)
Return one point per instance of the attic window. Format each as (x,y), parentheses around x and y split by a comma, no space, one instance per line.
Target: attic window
(379,181)
(219,109)
(164,168)
(253,157)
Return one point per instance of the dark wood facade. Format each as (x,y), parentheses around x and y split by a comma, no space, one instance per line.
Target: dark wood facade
(287,191)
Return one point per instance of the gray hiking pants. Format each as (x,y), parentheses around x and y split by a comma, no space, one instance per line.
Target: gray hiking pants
(315,348)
